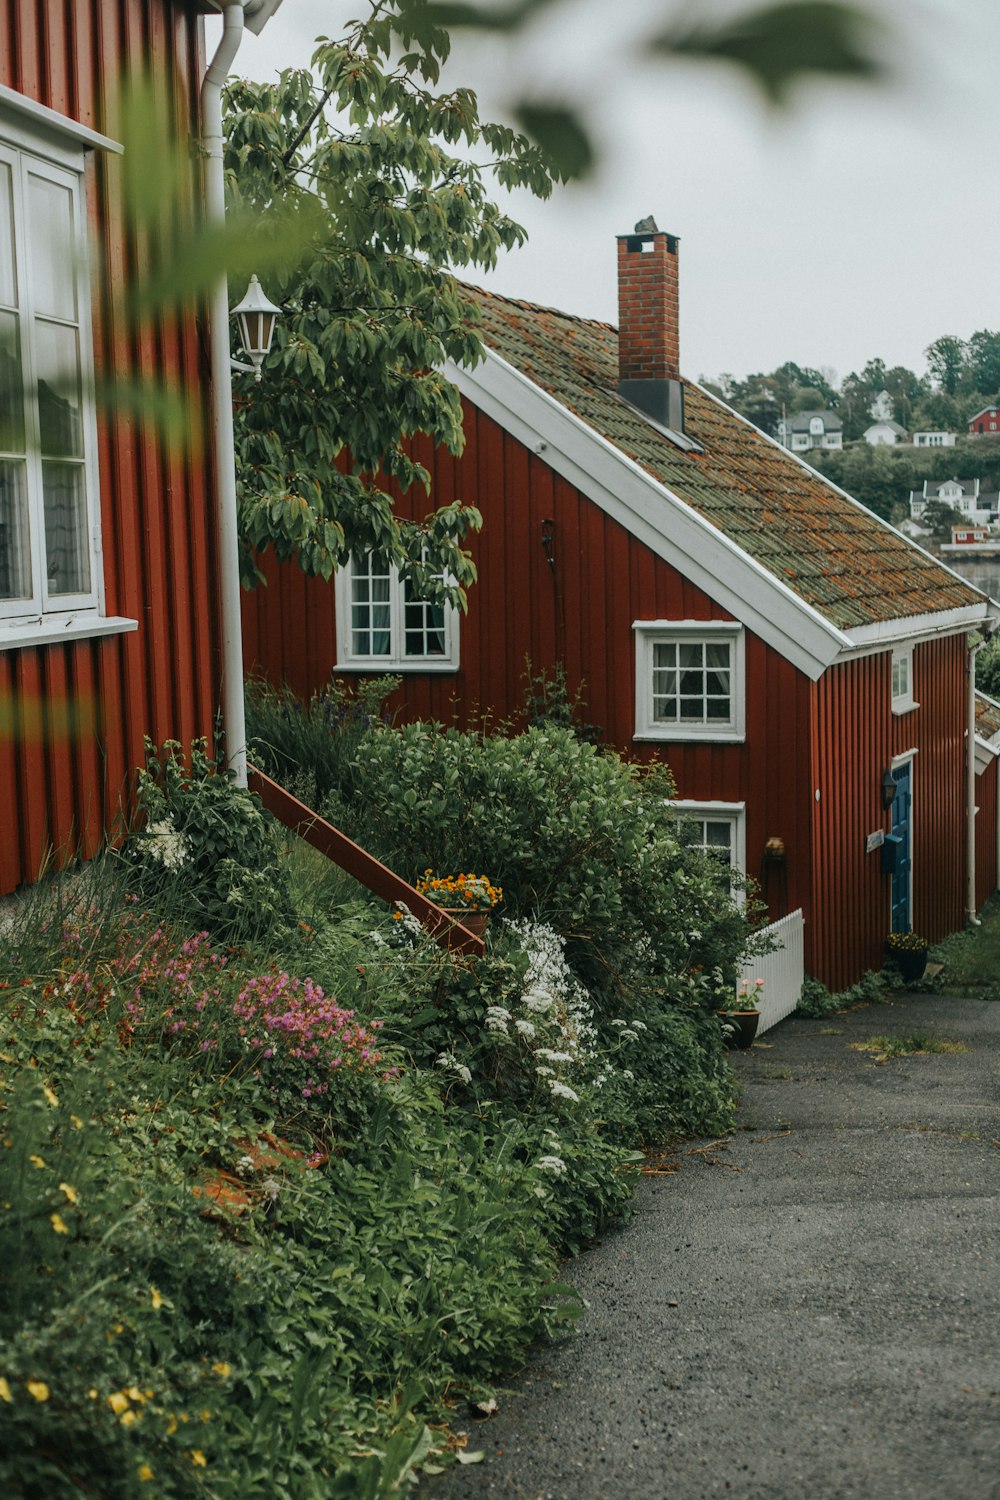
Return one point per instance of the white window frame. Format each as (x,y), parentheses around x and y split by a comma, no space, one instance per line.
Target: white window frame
(52,147)
(348,660)
(651,633)
(733,813)
(902,695)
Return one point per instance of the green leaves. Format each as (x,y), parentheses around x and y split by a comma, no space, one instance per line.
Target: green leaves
(781,45)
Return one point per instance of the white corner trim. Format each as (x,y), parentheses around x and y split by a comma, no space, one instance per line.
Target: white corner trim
(53,630)
(649,511)
(903,757)
(41,117)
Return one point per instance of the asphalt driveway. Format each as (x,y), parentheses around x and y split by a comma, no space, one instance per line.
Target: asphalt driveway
(811,1310)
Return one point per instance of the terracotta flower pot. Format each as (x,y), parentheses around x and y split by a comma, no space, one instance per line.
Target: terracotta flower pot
(473,921)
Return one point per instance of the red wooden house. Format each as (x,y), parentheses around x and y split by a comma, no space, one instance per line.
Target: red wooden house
(804,669)
(109,548)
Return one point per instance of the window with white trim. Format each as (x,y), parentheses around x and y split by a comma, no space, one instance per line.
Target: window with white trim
(384,624)
(689,680)
(49,555)
(718,829)
(902,681)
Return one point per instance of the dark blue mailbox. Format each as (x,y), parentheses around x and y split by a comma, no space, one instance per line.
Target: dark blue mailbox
(891,853)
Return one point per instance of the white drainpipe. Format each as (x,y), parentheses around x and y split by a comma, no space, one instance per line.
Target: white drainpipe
(970,788)
(233,713)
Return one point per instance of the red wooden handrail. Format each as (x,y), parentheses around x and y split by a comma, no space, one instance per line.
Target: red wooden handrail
(370,872)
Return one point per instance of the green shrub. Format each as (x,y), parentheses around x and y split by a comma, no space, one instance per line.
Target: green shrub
(310,748)
(581,839)
(206,850)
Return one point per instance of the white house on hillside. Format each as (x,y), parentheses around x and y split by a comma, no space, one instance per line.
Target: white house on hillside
(885,434)
(811,429)
(934,439)
(964,496)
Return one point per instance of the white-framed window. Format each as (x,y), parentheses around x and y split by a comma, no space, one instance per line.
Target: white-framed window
(690,677)
(51,585)
(902,681)
(384,625)
(719,829)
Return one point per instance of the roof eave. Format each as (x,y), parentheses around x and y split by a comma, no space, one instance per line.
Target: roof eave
(626,492)
(911,629)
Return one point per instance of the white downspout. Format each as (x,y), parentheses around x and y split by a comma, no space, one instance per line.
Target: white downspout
(970,789)
(233,713)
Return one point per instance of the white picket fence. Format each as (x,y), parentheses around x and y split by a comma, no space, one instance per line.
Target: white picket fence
(781,970)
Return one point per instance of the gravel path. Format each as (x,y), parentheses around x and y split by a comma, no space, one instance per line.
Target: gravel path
(811,1310)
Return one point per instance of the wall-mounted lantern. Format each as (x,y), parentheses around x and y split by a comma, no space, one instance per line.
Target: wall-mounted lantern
(255,316)
(889,788)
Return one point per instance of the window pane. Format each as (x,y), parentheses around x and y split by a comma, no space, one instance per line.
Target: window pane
(57,353)
(8,277)
(371,633)
(11,389)
(423,624)
(50,231)
(718,838)
(692,656)
(67,559)
(15,557)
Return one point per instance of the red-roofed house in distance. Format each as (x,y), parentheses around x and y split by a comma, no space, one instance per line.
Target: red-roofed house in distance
(804,669)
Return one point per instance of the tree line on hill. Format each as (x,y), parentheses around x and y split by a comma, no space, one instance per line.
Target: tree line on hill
(963,377)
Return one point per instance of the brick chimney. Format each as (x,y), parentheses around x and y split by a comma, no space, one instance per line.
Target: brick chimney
(648,344)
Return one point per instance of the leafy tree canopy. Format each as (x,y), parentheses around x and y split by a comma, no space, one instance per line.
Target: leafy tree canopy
(396,176)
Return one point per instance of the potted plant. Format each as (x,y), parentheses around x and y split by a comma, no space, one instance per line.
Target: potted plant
(468,898)
(740,1017)
(908,951)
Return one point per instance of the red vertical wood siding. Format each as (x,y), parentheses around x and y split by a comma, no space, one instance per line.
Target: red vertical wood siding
(72,718)
(987,869)
(604,580)
(856,736)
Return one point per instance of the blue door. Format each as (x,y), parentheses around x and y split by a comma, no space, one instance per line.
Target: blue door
(901,921)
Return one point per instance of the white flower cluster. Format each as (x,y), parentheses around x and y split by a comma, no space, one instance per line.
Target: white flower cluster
(164,844)
(450,1061)
(407,922)
(497,1018)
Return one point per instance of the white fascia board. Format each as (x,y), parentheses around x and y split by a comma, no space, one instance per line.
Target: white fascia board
(62,126)
(914,628)
(986,752)
(652,513)
(256,13)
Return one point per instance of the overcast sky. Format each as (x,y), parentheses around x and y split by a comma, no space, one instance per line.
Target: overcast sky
(864,222)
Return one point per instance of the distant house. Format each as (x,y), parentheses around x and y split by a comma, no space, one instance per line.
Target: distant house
(802,668)
(985,421)
(934,439)
(969,536)
(811,429)
(884,434)
(965,496)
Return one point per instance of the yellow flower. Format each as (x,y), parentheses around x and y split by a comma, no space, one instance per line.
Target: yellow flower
(155,1299)
(127,1418)
(145,1472)
(38,1389)
(76,1122)
(5,1394)
(134,1394)
(171,1425)
(198,1458)
(37,1161)
(118,1402)
(71,1193)
(57,1224)
(50,1095)
(92,1393)
(222,1368)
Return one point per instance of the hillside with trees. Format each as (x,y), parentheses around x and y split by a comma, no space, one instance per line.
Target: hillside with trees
(963,375)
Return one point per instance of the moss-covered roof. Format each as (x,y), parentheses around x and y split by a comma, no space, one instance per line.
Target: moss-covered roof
(831,551)
(987,717)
